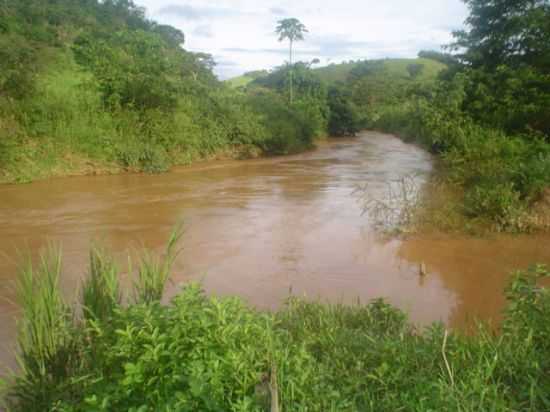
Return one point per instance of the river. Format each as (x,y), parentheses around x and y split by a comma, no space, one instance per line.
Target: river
(262,228)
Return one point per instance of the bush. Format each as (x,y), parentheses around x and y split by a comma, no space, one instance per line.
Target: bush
(289,128)
(344,116)
(500,202)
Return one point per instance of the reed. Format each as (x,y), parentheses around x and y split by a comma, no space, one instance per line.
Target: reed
(101,293)
(154,271)
(46,342)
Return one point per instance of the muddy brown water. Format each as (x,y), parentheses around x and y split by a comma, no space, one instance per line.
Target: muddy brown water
(259,228)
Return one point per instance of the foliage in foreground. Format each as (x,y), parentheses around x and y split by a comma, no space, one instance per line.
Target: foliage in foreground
(207,354)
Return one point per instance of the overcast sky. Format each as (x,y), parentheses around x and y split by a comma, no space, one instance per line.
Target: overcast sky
(240,33)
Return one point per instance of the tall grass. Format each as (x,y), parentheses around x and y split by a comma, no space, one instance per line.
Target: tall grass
(101,293)
(154,271)
(47,349)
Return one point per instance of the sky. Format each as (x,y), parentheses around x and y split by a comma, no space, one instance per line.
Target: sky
(240,34)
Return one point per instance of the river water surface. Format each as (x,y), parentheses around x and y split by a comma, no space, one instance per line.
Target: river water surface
(260,228)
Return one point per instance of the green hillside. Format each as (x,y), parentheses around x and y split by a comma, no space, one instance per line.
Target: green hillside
(239,81)
(339,72)
(246,78)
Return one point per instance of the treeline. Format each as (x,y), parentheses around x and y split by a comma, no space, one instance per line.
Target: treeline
(487,114)
(87,85)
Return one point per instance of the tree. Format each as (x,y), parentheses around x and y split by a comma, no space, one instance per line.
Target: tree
(293,30)
(171,35)
(505,52)
(344,116)
(131,68)
(314,61)
(506,32)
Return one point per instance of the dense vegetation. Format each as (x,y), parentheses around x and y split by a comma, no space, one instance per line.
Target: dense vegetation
(200,353)
(93,85)
(485,110)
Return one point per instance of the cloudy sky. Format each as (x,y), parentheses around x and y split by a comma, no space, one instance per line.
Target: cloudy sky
(240,33)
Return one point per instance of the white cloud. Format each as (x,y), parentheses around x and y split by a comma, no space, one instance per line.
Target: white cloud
(240,33)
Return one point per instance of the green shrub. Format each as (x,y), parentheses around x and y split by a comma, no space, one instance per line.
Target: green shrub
(499,202)
(289,128)
(344,116)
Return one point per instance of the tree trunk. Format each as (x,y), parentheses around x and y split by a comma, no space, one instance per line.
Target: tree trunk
(291,72)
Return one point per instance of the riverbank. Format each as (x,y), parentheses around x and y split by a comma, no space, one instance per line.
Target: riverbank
(487,181)
(36,165)
(208,354)
(35,161)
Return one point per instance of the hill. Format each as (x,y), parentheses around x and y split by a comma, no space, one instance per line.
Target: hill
(394,67)
(339,72)
(239,81)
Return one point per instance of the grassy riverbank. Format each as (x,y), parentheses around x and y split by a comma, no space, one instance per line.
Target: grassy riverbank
(208,354)
(488,179)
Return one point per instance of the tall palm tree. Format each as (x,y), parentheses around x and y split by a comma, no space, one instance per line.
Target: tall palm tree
(293,30)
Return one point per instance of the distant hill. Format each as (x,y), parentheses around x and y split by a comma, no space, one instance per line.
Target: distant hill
(396,67)
(239,81)
(246,78)
(339,72)
(336,72)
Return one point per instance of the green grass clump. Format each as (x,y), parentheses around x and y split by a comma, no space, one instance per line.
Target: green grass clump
(153,272)
(101,293)
(48,348)
(208,354)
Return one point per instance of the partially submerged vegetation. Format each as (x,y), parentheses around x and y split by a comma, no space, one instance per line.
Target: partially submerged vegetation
(209,354)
